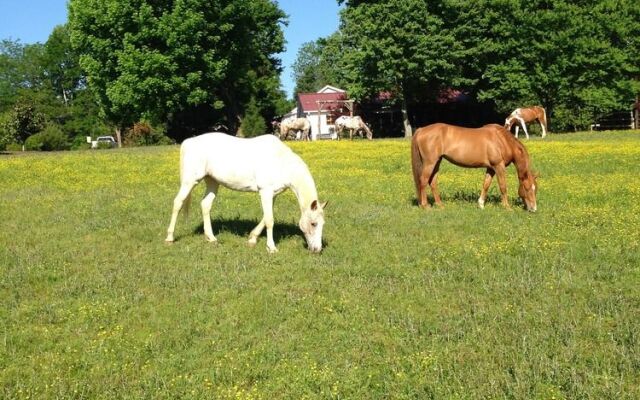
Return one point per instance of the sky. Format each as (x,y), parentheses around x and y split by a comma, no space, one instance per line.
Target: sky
(32,21)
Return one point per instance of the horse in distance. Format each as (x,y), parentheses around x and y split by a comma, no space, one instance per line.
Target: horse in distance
(262,164)
(301,125)
(353,124)
(523,116)
(491,147)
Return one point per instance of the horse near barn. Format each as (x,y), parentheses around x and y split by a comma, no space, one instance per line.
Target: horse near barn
(491,147)
(525,116)
(354,125)
(300,126)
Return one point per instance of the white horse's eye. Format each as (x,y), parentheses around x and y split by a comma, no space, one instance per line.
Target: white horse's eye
(314,224)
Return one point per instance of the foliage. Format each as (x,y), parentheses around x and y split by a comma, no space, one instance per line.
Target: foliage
(253,124)
(318,64)
(579,60)
(62,64)
(23,121)
(49,139)
(47,78)
(6,135)
(402,303)
(172,60)
(143,134)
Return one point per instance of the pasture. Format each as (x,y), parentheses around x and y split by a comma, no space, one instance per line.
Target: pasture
(403,303)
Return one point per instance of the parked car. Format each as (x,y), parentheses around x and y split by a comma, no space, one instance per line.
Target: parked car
(104,141)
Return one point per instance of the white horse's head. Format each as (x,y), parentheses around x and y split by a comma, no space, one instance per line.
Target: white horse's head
(311,224)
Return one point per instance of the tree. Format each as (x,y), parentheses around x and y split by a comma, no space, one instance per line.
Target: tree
(399,47)
(253,123)
(62,64)
(318,64)
(578,59)
(23,121)
(176,60)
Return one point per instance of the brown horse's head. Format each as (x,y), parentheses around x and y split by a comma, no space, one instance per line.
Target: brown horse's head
(528,189)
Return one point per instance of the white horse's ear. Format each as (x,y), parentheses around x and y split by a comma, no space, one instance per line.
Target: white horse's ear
(323,205)
(314,205)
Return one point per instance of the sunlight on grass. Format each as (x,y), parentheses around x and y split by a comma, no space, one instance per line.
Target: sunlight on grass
(403,303)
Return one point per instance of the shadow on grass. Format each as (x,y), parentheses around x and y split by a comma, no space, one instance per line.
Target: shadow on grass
(242,228)
(467,196)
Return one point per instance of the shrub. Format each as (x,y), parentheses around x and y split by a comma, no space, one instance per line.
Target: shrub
(50,139)
(253,124)
(144,134)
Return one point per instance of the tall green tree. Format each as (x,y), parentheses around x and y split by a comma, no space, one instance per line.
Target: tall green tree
(319,63)
(399,47)
(171,59)
(578,59)
(62,64)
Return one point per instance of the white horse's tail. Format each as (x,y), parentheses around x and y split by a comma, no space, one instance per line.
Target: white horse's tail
(187,201)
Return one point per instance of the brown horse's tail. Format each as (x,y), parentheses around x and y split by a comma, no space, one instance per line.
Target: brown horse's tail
(416,162)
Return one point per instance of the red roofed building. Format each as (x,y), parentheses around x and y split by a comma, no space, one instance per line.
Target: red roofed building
(322,108)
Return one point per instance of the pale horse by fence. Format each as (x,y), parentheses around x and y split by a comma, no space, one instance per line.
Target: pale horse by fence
(301,125)
(354,124)
(525,116)
(262,164)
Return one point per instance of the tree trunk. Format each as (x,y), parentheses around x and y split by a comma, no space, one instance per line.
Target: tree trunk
(119,136)
(408,130)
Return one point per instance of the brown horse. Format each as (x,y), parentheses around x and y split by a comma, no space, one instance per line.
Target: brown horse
(491,147)
(525,116)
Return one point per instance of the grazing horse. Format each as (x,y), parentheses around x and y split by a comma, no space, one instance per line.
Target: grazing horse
(354,124)
(525,116)
(262,164)
(491,147)
(297,125)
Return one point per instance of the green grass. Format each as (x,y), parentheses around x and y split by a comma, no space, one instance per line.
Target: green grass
(403,303)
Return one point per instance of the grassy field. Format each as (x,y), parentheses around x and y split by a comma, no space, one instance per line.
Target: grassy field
(452,303)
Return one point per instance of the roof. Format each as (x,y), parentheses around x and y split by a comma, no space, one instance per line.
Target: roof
(308,102)
(330,89)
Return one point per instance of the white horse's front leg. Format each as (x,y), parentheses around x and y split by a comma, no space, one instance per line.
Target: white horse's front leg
(266,197)
(178,202)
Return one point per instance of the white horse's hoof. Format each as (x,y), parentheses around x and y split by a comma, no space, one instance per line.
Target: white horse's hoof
(252,242)
(211,240)
(272,250)
(168,242)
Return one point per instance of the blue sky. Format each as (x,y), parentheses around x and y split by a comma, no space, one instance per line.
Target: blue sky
(32,21)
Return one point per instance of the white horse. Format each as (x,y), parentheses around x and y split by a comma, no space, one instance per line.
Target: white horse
(295,124)
(262,164)
(523,116)
(354,124)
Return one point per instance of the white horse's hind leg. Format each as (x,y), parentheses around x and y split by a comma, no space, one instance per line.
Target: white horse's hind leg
(207,201)
(178,202)
(524,127)
(266,198)
(253,236)
(544,131)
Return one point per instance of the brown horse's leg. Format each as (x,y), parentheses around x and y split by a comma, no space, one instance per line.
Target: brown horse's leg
(500,170)
(488,177)
(433,182)
(426,178)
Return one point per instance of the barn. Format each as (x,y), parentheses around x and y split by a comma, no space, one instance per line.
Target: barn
(322,108)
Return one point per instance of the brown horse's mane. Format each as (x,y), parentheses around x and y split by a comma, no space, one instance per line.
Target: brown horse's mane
(520,153)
